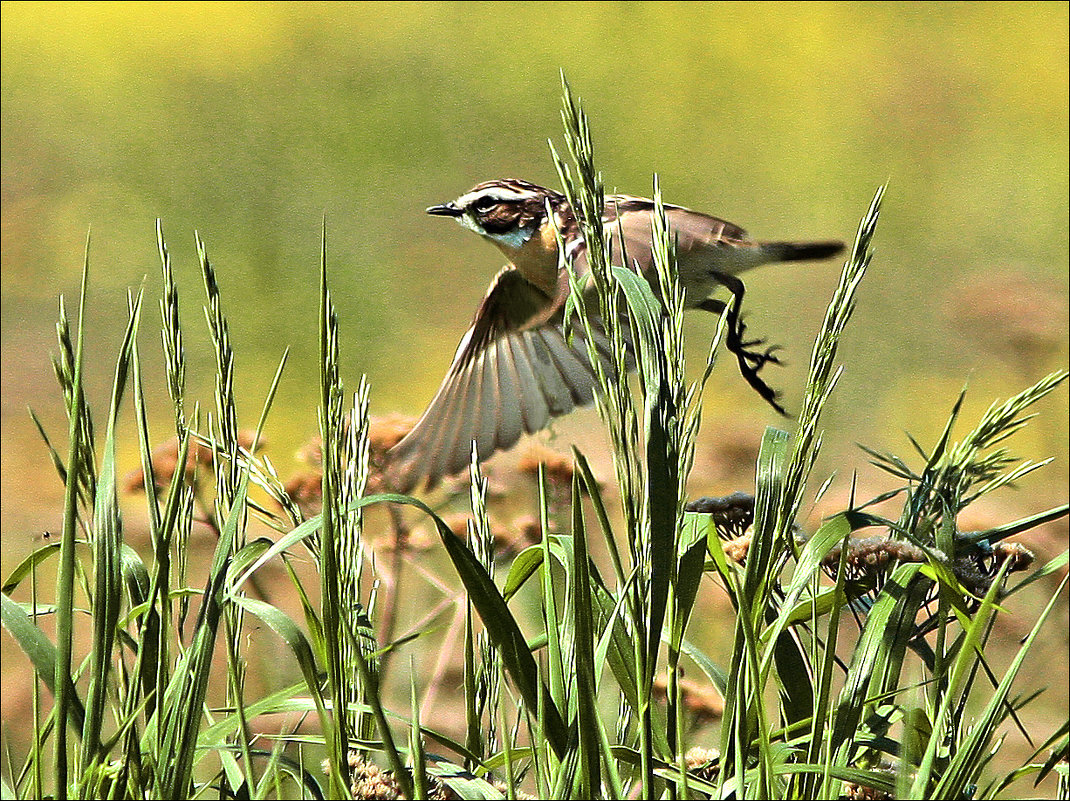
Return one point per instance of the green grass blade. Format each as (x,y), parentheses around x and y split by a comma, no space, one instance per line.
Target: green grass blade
(551,624)
(525,565)
(42,654)
(498,620)
(595,494)
(506,634)
(969,757)
(65,580)
(189,687)
(993,535)
(107,550)
(27,566)
(689,572)
(589,743)
(889,627)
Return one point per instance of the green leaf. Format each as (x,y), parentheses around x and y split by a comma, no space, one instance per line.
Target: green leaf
(184,698)
(794,679)
(589,741)
(42,653)
(107,543)
(79,462)
(999,533)
(28,565)
(715,674)
(888,629)
(461,782)
(499,622)
(295,639)
(689,574)
(524,566)
(302,532)
(970,755)
(662,508)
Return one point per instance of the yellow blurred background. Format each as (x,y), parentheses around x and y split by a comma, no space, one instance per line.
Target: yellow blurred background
(250,122)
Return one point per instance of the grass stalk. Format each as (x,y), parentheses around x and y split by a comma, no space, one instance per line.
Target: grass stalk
(62,683)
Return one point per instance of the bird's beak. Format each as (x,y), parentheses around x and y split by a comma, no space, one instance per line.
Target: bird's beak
(445,210)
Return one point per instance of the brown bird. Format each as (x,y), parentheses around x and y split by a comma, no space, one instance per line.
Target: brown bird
(514,370)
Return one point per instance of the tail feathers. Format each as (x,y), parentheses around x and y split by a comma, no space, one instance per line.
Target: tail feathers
(801,251)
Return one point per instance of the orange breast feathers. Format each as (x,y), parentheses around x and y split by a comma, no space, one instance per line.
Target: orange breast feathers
(537,259)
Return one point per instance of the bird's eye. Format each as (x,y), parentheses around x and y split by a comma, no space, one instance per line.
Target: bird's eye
(484,204)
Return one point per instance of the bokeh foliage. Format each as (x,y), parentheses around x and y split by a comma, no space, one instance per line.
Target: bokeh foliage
(248,122)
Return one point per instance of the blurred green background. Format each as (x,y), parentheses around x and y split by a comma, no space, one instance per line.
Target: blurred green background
(250,122)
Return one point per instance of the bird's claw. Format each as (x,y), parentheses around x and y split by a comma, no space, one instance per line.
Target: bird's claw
(759,360)
(750,361)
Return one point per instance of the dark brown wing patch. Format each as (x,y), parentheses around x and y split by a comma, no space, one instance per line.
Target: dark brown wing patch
(511,303)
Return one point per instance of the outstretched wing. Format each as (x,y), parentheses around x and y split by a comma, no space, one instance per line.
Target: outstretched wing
(513,372)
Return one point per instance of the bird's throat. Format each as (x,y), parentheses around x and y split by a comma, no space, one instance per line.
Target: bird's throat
(535,257)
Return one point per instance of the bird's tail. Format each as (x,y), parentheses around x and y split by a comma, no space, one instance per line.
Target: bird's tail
(801,251)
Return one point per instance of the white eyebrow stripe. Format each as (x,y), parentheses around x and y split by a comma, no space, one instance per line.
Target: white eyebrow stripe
(499,193)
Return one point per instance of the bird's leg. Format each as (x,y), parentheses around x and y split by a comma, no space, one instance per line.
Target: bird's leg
(738,344)
(750,361)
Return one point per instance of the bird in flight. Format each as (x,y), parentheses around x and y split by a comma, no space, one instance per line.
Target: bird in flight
(515,370)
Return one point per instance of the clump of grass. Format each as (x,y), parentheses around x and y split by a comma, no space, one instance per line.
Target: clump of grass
(567,701)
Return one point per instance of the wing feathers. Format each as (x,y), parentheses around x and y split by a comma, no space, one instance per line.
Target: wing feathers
(487,426)
(533,406)
(572,366)
(513,372)
(510,424)
(548,375)
(517,383)
(463,421)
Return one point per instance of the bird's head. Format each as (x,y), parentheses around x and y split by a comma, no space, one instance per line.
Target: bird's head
(510,213)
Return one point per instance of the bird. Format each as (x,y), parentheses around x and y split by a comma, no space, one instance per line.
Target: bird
(515,368)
